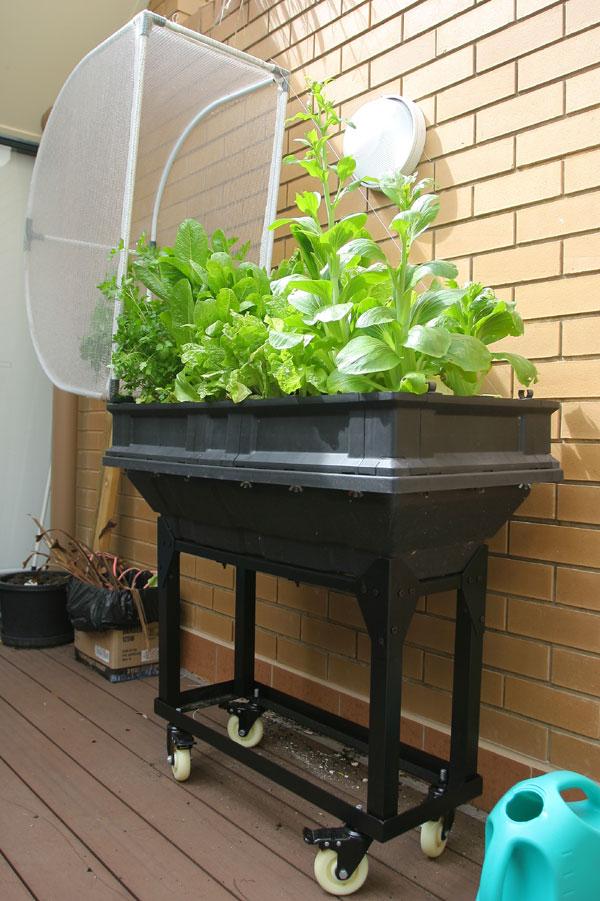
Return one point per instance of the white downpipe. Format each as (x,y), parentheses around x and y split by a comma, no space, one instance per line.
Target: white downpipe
(44,510)
(266,243)
(242,92)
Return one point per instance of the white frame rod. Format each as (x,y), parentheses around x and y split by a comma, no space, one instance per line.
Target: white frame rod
(266,243)
(242,92)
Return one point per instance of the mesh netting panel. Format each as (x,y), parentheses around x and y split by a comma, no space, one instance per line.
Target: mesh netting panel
(75,210)
(81,196)
(221,173)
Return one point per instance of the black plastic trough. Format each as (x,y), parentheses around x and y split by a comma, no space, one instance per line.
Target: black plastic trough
(332,483)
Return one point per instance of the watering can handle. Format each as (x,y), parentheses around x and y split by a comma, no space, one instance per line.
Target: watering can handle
(566,781)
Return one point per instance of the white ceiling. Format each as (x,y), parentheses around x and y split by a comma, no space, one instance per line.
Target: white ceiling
(40,44)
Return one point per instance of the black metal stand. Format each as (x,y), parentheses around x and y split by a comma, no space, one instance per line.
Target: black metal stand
(387,594)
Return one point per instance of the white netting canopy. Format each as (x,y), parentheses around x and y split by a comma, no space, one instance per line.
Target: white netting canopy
(155,125)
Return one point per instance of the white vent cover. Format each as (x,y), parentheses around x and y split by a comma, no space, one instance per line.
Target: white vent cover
(385,135)
(155,125)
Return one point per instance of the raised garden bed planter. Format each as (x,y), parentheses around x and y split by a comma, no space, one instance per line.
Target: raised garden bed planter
(388,497)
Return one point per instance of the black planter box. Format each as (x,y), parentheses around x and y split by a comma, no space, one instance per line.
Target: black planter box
(334,482)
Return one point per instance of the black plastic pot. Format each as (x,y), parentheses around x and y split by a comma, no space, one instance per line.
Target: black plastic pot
(35,616)
(334,482)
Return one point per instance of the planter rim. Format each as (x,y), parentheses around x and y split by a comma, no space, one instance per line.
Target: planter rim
(376,398)
(10,586)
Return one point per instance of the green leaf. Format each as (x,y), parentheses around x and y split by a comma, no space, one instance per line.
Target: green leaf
(414,382)
(431,340)
(366,354)
(375,316)
(303,222)
(362,248)
(429,305)
(439,268)
(191,243)
(306,303)
(468,353)
(525,371)
(342,383)
(461,382)
(334,312)
(285,340)
(309,202)
(184,390)
(345,167)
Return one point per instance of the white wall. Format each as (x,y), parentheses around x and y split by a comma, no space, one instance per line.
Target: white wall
(25,392)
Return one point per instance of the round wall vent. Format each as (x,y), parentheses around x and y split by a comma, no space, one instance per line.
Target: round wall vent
(385,135)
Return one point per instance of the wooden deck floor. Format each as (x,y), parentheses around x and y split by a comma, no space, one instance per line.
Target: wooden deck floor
(89,810)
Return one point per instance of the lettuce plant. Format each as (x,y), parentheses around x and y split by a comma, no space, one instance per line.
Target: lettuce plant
(371,324)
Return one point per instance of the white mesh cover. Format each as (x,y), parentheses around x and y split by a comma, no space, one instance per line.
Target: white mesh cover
(117,130)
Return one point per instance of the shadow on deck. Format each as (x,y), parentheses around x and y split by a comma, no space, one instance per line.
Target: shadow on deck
(89,809)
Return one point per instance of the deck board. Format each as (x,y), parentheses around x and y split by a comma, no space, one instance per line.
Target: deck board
(229,832)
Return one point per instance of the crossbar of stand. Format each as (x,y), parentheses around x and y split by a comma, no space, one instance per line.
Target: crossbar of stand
(387,594)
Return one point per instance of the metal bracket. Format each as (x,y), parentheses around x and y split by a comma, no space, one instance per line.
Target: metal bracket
(436,791)
(472,583)
(247,713)
(177,739)
(350,846)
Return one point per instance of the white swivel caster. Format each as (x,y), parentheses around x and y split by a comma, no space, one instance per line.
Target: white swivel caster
(325,866)
(433,840)
(252,738)
(181,764)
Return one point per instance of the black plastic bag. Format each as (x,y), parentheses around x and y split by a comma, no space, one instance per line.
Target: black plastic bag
(92,609)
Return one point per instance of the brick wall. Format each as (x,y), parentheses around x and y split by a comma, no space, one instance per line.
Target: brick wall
(509,92)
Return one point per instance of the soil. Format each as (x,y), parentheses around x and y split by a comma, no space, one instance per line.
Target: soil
(35,577)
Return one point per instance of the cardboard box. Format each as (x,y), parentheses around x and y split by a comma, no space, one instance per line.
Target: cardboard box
(119,654)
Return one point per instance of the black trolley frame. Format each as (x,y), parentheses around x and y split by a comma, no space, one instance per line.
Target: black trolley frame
(387,594)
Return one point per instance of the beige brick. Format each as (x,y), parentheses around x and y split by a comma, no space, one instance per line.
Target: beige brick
(572,753)
(477,92)
(495,612)
(314,18)
(429,13)
(520,112)
(455,204)
(475,236)
(516,655)
(349,674)
(301,657)
(213,623)
(578,588)
(526,7)
(498,543)
(575,53)
(582,170)
(426,701)
(580,462)
(469,26)
(582,253)
(266,644)
(541,340)
(520,38)
(518,188)
(277,619)
(559,138)
(214,573)
(559,297)
(582,90)
(540,504)
(580,420)
(512,731)
(343,608)
(330,636)
(533,580)
(455,135)
(578,671)
(581,336)
(559,217)
(223,601)
(345,31)
(475,163)
(352,83)
(307,598)
(439,74)
(401,59)
(559,708)
(559,544)
(518,264)
(431,632)
(383,9)
(382,37)
(580,14)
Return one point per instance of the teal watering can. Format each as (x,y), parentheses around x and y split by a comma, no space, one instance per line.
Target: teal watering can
(541,847)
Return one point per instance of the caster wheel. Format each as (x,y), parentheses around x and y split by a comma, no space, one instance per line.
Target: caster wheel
(254,736)
(432,842)
(325,864)
(182,764)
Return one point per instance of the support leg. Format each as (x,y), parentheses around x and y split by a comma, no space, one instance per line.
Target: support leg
(468,653)
(387,598)
(245,617)
(169,616)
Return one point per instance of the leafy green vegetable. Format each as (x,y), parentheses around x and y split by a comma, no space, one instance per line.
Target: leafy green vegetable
(337,316)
